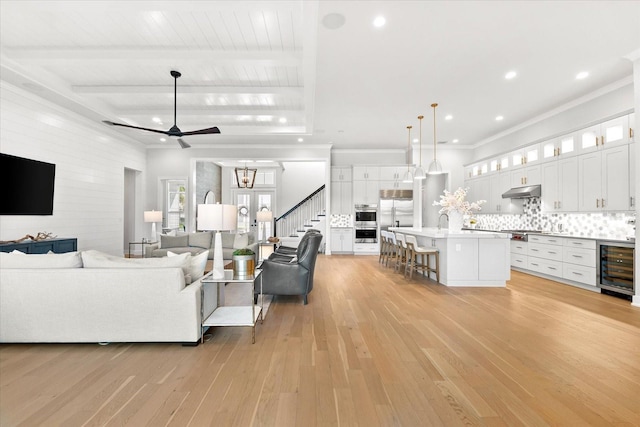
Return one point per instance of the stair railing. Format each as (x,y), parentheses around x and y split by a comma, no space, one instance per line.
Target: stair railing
(301,215)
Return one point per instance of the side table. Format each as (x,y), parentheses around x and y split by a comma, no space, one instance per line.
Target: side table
(145,242)
(235,315)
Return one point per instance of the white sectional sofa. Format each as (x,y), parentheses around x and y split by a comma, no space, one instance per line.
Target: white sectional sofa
(129,303)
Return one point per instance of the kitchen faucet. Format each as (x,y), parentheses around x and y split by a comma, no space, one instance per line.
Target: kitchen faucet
(439,218)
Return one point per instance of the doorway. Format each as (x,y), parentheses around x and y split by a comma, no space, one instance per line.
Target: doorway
(249,202)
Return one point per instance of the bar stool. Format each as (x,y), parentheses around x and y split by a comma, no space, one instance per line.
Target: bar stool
(401,260)
(425,253)
(384,247)
(392,253)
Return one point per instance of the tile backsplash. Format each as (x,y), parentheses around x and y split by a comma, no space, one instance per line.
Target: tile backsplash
(614,224)
(341,221)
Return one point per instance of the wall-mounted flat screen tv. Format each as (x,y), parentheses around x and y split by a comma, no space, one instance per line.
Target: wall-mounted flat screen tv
(27,186)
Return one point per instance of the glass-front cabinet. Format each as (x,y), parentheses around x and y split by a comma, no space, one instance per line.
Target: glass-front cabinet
(604,135)
(563,146)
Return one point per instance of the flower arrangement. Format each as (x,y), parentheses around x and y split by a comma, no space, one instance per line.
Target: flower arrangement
(455,202)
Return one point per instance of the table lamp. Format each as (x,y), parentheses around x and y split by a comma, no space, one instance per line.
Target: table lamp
(217,218)
(153,217)
(262,217)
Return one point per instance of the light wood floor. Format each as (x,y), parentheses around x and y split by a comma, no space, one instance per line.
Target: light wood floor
(370,349)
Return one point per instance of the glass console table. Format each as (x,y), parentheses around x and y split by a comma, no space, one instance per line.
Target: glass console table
(232,315)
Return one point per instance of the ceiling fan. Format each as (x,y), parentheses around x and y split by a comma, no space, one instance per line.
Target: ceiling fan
(175,130)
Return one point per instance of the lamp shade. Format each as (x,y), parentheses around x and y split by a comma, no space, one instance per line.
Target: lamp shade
(217,217)
(264,216)
(152,216)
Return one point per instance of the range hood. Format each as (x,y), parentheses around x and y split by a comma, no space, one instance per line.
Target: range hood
(523,192)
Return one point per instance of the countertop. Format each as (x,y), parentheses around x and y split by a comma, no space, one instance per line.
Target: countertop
(609,237)
(436,233)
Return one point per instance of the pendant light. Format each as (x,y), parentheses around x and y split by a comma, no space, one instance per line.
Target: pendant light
(419,172)
(408,175)
(435,167)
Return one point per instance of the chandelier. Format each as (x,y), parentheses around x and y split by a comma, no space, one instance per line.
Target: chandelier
(245,177)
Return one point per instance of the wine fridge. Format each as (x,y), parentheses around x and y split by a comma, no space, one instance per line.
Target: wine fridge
(616,267)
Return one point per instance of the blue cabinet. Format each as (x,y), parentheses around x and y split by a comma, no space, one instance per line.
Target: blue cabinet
(42,247)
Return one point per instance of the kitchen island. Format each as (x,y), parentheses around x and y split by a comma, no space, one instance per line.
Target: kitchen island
(467,257)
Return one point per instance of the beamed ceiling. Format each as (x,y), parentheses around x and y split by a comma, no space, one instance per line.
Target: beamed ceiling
(273,72)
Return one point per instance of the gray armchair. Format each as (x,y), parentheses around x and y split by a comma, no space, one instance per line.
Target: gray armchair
(291,276)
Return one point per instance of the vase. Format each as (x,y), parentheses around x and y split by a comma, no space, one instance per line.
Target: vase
(455,221)
(243,265)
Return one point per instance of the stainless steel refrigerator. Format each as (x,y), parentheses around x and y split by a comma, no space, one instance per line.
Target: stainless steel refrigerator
(396,208)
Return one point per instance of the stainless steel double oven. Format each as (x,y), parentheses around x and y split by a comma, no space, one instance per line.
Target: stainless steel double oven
(366,223)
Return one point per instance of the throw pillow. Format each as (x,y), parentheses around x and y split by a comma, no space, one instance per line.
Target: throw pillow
(174,241)
(22,260)
(241,241)
(200,240)
(197,264)
(17,252)
(96,259)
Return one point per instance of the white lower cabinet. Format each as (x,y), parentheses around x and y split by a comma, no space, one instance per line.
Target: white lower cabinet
(571,261)
(341,240)
(519,254)
(579,258)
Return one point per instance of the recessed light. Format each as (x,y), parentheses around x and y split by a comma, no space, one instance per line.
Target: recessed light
(157,120)
(416,140)
(582,75)
(300,139)
(510,75)
(455,141)
(283,120)
(264,161)
(379,22)
(498,118)
(245,161)
(448,117)
(163,139)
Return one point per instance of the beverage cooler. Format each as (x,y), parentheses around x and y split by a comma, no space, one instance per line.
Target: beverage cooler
(616,267)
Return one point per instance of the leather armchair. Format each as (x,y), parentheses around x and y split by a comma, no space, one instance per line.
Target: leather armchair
(290,250)
(291,277)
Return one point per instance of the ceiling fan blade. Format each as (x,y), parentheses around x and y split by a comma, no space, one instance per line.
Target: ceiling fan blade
(207,131)
(134,127)
(183,144)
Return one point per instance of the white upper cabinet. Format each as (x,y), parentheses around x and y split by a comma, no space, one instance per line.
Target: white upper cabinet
(560,185)
(604,135)
(340,173)
(391,178)
(604,180)
(392,173)
(563,146)
(530,175)
(366,173)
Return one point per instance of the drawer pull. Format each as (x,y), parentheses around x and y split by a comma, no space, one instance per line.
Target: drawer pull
(577,274)
(552,268)
(534,250)
(553,253)
(577,256)
(533,263)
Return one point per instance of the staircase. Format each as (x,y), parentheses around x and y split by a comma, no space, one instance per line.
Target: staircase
(308,213)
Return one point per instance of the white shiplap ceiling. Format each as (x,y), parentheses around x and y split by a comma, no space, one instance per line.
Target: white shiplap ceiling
(247,66)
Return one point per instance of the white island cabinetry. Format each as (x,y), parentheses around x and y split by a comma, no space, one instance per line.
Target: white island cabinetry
(467,258)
